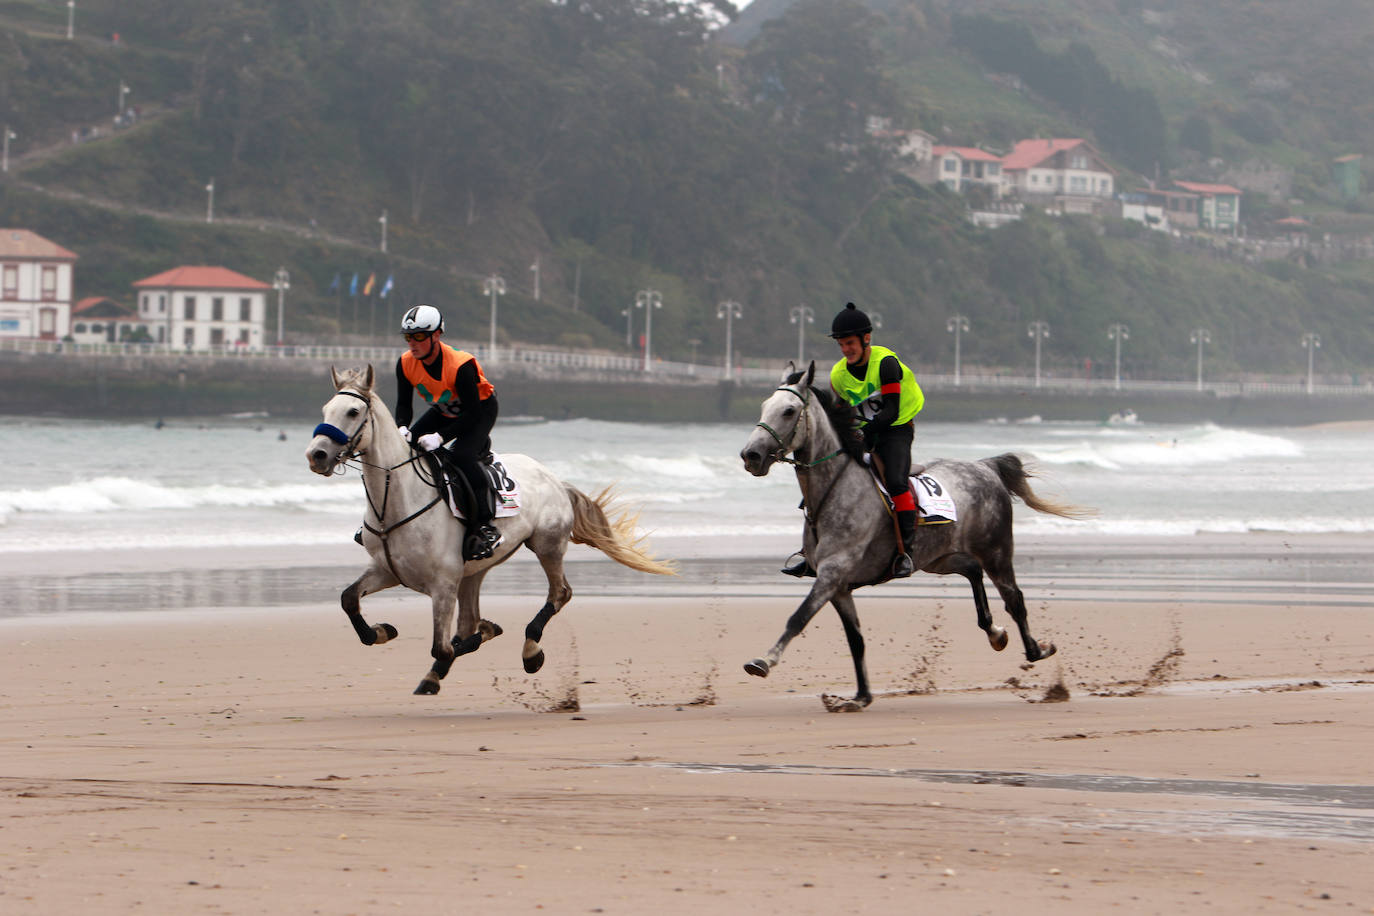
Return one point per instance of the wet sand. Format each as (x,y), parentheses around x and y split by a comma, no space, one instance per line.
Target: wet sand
(1187,750)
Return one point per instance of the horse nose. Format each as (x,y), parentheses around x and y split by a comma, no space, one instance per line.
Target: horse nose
(750,457)
(317,458)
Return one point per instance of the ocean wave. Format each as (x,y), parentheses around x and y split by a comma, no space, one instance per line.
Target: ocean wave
(116,494)
(1117,449)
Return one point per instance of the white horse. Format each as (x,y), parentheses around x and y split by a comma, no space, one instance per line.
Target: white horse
(421,549)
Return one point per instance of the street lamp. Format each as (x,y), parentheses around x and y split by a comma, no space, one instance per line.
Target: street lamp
(71,18)
(1039,330)
(210,201)
(534,269)
(729,310)
(1311,343)
(382,219)
(1118,332)
(493,286)
(802,316)
(281,283)
(958,326)
(8,135)
(629,314)
(1200,336)
(648,299)
(123,91)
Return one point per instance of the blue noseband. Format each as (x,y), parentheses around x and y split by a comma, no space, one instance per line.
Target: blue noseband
(333,432)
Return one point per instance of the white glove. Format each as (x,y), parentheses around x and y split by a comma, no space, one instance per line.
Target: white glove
(430,441)
(405,433)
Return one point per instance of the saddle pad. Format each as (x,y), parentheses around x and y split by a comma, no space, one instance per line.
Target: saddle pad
(935,505)
(506,488)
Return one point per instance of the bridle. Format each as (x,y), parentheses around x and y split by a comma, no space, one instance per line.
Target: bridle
(350,454)
(785,446)
(349,442)
(813,511)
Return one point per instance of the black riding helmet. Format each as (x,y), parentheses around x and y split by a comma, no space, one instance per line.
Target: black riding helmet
(850,322)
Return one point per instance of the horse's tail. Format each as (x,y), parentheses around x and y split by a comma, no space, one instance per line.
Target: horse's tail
(616,537)
(1015,478)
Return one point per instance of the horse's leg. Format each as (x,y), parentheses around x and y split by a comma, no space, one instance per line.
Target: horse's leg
(372,580)
(1002,576)
(827,584)
(442,599)
(849,617)
(970,569)
(472,630)
(560,593)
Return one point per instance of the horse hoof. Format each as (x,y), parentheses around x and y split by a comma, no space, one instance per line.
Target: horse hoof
(534,662)
(997,638)
(489,629)
(1046,649)
(385,633)
(428,688)
(758,668)
(841,704)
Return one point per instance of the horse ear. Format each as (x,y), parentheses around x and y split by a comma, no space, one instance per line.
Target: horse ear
(334,377)
(789,371)
(810,374)
(367,379)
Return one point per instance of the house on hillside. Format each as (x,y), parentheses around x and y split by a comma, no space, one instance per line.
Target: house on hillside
(1218,205)
(35,286)
(99,319)
(960,168)
(203,307)
(1065,175)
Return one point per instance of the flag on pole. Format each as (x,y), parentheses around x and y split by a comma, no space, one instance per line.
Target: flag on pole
(367,287)
(334,285)
(386,287)
(353,286)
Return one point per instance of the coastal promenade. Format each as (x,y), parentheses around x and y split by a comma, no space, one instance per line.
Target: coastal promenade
(152,379)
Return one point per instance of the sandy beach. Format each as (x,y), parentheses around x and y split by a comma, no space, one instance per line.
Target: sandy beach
(1188,750)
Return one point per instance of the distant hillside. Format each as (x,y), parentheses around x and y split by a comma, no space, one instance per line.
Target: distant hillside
(607,143)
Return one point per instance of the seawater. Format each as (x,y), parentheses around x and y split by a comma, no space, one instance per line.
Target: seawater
(242,481)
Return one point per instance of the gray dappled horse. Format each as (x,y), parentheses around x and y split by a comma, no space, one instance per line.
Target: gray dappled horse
(413,546)
(850,537)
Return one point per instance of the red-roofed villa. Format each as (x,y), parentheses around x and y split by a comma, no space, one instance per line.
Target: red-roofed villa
(203,307)
(100,319)
(1067,172)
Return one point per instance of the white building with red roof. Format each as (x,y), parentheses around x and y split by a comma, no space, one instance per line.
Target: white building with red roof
(35,286)
(1065,172)
(202,308)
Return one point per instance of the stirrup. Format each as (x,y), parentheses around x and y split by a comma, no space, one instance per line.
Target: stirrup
(902,567)
(358,537)
(797,565)
(482,543)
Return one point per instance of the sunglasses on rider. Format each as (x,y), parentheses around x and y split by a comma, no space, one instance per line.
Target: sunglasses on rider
(417,336)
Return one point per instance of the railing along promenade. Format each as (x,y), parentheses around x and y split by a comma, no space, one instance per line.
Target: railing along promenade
(575,364)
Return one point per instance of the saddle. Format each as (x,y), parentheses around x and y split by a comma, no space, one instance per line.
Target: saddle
(933,503)
(481,500)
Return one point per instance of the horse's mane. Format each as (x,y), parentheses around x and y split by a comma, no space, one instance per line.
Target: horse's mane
(842,417)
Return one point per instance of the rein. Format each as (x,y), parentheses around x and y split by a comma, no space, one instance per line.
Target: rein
(349,453)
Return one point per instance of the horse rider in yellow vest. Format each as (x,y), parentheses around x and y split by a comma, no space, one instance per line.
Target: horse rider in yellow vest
(885,393)
(462,411)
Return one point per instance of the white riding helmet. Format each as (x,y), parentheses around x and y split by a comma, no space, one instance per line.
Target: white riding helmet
(422,318)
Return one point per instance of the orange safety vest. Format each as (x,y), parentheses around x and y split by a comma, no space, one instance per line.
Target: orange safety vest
(441,392)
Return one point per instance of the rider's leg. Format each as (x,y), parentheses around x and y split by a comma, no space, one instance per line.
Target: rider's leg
(894,449)
(797,564)
(471,444)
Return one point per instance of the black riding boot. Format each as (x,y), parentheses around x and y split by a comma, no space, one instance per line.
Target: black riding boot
(798,565)
(483,537)
(906,524)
